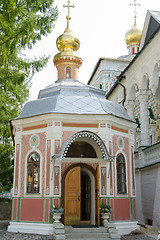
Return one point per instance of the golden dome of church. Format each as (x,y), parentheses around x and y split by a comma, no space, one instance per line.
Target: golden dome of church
(133,36)
(67,42)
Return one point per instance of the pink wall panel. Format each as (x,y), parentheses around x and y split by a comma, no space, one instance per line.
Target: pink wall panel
(32,210)
(122,209)
(56,180)
(103,181)
(17,169)
(134,209)
(103,201)
(56,202)
(112,206)
(46,210)
(14,209)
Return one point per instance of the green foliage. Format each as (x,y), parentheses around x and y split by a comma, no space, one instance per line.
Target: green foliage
(22,24)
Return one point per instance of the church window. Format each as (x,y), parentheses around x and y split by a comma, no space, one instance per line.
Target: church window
(33,169)
(68,72)
(133,52)
(100,86)
(121,174)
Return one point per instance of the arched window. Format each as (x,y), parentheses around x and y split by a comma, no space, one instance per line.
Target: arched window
(68,72)
(121,174)
(100,86)
(33,173)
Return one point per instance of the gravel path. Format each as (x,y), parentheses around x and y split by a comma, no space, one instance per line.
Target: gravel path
(136,237)
(4,235)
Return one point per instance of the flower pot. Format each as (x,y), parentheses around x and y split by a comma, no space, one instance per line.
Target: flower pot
(57,217)
(105,217)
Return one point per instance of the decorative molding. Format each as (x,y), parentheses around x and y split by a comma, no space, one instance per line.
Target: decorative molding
(34,127)
(79,135)
(119,129)
(86,125)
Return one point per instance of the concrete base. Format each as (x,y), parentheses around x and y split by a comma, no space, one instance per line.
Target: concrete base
(58,231)
(126,227)
(35,228)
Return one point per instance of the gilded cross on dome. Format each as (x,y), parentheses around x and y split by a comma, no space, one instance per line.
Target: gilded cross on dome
(68,17)
(135,4)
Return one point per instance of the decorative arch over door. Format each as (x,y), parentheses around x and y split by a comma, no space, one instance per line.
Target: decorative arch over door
(85,136)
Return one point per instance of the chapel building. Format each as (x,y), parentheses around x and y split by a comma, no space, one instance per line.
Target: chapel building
(72,148)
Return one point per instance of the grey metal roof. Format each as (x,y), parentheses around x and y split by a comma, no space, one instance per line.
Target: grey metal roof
(72,97)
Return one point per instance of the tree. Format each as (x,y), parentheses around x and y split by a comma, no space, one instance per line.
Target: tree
(22,24)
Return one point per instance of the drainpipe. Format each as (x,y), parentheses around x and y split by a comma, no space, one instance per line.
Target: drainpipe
(124,89)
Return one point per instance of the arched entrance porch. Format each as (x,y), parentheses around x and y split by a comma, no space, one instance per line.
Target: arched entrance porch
(80,181)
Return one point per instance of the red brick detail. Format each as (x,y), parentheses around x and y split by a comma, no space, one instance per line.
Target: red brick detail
(133,173)
(103,181)
(134,209)
(56,202)
(85,125)
(48,167)
(34,127)
(24,153)
(119,129)
(122,209)
(57,124)
(17,169)
(15,209)
(56,145)
(56,180)
(32,210)
(102,125)
(46,211)
(50,124)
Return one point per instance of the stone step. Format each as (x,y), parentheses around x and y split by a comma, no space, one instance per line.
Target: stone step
(86,233)
(91,230)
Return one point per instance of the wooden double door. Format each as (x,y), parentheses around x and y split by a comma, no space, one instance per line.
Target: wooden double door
(78,197)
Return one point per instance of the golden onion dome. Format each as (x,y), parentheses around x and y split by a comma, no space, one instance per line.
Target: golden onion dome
(67,42)
(133,35)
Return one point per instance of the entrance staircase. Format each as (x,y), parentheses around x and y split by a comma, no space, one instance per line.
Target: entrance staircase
(99,233)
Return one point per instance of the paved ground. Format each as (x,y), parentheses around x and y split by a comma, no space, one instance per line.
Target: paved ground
(4,235)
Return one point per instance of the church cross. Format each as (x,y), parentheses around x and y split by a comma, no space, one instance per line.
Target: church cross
(68,17)
(135,8)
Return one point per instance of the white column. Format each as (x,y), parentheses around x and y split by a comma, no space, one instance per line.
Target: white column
(144,118)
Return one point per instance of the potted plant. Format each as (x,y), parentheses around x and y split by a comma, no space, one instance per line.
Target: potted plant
(105,211)
(57,211)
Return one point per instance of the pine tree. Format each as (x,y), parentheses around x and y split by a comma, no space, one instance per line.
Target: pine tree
(22,24)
